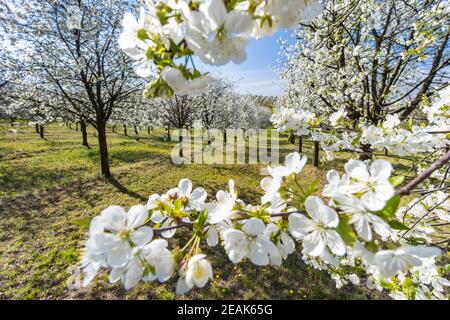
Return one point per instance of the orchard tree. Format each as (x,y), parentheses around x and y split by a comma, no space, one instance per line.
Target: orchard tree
(373,58)
(70,49)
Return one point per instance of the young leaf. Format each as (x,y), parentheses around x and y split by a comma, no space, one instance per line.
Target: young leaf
(345,231)
(396,180)
(391,207)
(312,188)
(394,224)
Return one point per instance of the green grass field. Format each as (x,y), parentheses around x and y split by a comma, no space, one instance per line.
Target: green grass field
(46,186)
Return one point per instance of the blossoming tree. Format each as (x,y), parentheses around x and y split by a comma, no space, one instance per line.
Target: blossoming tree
(353,228)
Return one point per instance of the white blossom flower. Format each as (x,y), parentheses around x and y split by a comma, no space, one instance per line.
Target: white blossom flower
(373,182)
(218,36)
(337,116)
(195,272)
(199,271)
(362,218)
(122,230)
(318,233)
(250,242)
(224,205)
(390,262)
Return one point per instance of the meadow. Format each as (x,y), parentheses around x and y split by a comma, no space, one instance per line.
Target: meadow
(50,188)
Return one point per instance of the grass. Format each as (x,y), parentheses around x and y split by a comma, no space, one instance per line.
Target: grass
(46,186)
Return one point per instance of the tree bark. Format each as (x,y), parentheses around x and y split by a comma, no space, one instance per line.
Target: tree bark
(209,136)
(316,154)
(300,144)
(225,135)
(125,130)
(103,146)
(180,139)
(136,131)
(168,132)
(84,133)
(114,128)
(36,127)
(41,131)
(292,138)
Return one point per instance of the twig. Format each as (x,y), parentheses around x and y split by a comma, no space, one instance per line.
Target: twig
(424,216)
(424,175)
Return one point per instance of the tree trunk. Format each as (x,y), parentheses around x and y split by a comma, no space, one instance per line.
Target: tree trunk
(136,131)
(41,131)
(316,154)
(103,145)
(84,133)
(168,132)
(300,144)
(36,127)
(12,123)
(70,125)
(125,130)
(292,138)
(114,128)
(180,139)
(76,126)
(225,135)
(148,130)
(209,137)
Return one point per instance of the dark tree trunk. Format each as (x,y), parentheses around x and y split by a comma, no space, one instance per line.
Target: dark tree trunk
(225,135)
(292,138)
(36,127)
(136,132)
(70,125)
(84,133)
(180,139)
(114,128)
(168,132)
(125,130)
(300,144)
(103,145)
(148,130)
(41,131)
(12,122)
(367,152)
(316,154)
(209,136)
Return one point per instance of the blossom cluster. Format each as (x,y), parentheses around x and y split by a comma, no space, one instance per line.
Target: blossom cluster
(351,230)
(391,135)
(169,33)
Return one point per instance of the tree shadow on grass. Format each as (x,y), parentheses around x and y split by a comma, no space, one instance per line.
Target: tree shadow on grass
(121,188)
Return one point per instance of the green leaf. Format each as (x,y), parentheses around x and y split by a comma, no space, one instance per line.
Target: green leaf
(83,222)
(201,220)
(345,231)
(396,180)
(312,188)
(394,224)
(391,207)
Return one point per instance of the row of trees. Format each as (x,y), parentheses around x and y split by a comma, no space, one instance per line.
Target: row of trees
(61,63)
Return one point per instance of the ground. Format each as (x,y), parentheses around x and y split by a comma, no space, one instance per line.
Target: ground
(49,187)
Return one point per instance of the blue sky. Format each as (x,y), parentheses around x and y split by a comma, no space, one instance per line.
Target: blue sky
(256,75)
